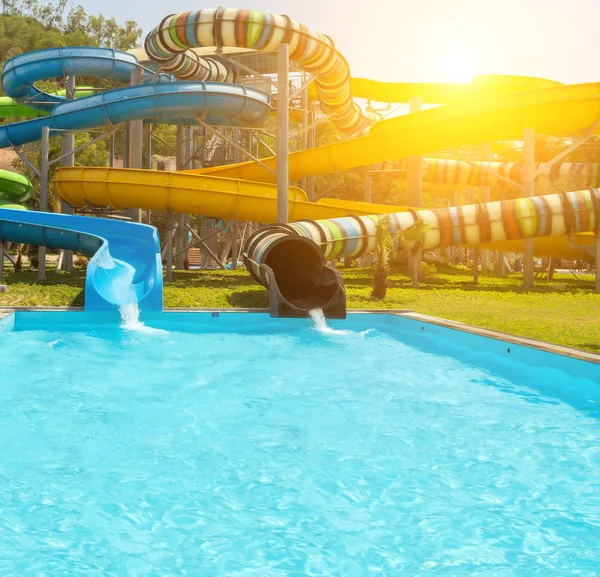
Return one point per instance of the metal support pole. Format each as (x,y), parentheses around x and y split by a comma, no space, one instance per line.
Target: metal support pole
(486,195)
(233,231)
(367,259)
(476,266)
(304,136)
(312,143)
(597,253)
(111,151)
(68,159)
(180,232)
(415,194)
(169,255)
(1,261)
(368,188)
(283,129)
(125,146)
(484,253)
(136,136)
(529,190)
(43,195)
(148,163)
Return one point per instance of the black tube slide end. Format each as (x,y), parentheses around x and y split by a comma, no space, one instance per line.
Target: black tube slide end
(328,294)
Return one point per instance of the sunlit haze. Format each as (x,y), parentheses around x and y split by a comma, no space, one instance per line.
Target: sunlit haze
(428,40)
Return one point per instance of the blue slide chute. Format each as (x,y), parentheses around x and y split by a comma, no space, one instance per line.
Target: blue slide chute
(125,265)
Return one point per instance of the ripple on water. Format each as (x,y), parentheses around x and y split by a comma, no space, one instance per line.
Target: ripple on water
(280,454)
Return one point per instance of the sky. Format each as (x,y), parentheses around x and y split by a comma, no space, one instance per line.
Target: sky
(427,40)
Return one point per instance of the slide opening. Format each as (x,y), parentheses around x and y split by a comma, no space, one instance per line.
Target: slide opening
(300,272)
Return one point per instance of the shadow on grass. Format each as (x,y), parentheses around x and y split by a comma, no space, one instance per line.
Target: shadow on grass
(210,279)
(594,347)
(251,299)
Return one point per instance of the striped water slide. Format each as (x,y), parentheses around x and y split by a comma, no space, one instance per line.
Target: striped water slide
(171,46)
(280,253)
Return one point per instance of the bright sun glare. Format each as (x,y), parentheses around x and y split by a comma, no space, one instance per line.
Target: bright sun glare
(459,64)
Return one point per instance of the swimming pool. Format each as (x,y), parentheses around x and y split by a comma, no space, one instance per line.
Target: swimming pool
(235,444)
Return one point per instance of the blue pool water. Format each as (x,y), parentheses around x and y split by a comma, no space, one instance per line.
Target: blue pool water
(274,449)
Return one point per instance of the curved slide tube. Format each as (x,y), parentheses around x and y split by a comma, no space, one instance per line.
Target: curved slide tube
(161,102)
(125,265)
(166,102)
(293,270)
(564,111)
(441,171)
(170,45)
(228,199)
(14,188)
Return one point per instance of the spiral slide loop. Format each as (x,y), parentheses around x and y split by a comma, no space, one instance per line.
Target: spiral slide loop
(171,45)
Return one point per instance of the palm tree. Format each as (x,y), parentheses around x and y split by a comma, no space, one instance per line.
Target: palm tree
(410,239)
(385,245)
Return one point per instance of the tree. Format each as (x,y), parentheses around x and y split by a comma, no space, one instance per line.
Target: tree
(385,245)
(27,25)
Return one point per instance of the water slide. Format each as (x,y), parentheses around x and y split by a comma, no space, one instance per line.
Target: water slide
(290,260)
(14,188)
(228,191)
(126,264)
(492,109)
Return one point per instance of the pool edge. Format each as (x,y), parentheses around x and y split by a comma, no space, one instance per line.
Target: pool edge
(545,346)
(570,352)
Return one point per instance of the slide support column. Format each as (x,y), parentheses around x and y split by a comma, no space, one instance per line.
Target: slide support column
(486,196)
(180,231)
(169,255)
(148,162)
(367,259)
(44,168)
(135,142)
(312,143)
(596,254)
(67,147)
(283,130)
(415,194)
(529,190)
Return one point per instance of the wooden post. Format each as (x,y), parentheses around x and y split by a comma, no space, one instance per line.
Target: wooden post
(529,190)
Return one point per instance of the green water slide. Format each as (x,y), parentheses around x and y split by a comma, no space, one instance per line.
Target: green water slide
(13,109)
(14,188)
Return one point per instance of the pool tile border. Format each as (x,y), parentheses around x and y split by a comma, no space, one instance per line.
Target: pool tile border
(506,337)
(407,313)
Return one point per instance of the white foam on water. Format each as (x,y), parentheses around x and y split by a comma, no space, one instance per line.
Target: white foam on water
(320,324)
(130,320)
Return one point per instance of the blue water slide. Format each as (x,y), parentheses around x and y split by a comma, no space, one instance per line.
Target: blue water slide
(157,100)
(21,72)
(125,265)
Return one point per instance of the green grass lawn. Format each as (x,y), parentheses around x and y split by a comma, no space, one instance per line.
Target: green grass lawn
(565,311)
